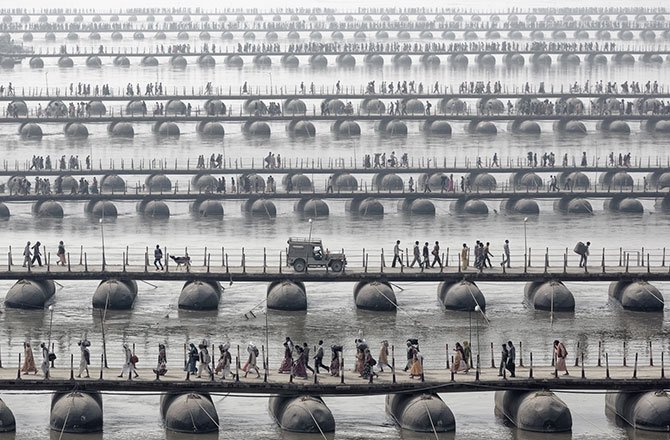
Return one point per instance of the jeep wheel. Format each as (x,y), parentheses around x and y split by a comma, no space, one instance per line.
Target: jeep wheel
(299,265)
(336,266)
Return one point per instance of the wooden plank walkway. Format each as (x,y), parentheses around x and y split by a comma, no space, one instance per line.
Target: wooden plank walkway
(63,96)
(313,116)
(595,378)
(634,50)
(434,166)
(135,194)
(272,272)
(344,95)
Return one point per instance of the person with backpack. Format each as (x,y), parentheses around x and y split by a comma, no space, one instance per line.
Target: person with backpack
(582,250)
(560,353)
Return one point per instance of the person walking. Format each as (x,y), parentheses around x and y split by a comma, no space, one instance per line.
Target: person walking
(161,366)
(417,365)
(306,350)
(204,359)
(45,360)
(560,353)
(384,356)
(506,258)
(511,358)
(225,361)
(287,363)
(61,254)
(436,255)
(459,363)
(465,256)
(28,359)
(584,254)
(158,257)
(397,254)
(27,256)
(368,365)
(426,255)
(410,356)
(127,362)
(37,254)
(487,254)
(85,359)
(417,255)
(192,357)
(329,185)
(252,360)
(504,354)
(318,358)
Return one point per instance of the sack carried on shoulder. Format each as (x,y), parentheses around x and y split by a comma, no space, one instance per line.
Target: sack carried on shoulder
(52,357)
(580,248)
(134,359)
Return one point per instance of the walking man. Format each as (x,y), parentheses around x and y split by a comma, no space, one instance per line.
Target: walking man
(204,359)
(61,254)
(417,256)
(37,254)
(436,255)
(397,254)
(504,354)
(329,187)
(318,358)
(305,349)
(426,255)
(506,252)
(158,256)
(487,254)
(511,358)
(27,255)
(85,359)
(584,255)
(45,359)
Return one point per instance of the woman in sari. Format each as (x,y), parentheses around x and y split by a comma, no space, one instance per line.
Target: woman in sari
(161,366)
(368,364)
(465,256)
(299,367)
(384,356)
(459,360)
(336,351)
(192,359)
(28,359)
(417,365)
(287,363)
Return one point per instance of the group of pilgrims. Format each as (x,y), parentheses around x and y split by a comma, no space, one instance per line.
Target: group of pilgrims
(198,361)
(296,361)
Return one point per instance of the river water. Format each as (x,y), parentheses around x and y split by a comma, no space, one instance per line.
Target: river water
(331,313)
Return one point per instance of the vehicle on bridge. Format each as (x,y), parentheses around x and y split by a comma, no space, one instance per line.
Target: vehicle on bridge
(304,253)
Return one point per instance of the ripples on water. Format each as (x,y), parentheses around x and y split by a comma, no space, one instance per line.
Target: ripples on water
(331,313)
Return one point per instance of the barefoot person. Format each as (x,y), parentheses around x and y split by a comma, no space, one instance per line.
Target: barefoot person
(560,352)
